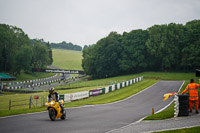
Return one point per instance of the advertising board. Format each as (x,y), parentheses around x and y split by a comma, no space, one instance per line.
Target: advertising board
(67,97)
(79,95)
(107,89)
(95,92)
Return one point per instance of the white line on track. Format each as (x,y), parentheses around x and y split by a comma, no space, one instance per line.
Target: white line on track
(146,116)
(116,101)
(81,106)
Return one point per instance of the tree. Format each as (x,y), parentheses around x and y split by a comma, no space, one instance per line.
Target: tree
(99,58)
(11,41)
(133,56)
(172,47)
(64,45)
(191,49)
(23,59)
(40,55)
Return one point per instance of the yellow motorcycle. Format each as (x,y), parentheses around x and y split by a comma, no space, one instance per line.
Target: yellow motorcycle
(54,110)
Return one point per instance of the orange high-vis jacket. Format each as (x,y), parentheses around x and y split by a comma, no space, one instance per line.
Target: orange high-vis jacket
(193,91)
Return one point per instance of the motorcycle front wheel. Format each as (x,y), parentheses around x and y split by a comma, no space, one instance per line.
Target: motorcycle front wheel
(52,114)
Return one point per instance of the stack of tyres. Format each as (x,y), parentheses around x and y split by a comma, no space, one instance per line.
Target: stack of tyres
(199,99)
(183,105)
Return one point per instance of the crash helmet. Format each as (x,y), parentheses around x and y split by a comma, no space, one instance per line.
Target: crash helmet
(51,90)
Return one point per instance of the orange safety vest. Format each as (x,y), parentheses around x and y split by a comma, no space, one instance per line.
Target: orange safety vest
(193,91)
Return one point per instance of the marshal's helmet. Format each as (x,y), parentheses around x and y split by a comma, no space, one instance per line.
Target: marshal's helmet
(51,90)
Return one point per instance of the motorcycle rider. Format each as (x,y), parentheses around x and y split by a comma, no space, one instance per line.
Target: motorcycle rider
(55,97)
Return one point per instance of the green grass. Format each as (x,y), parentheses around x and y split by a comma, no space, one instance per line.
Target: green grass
(110,97)
(67,59)
(149,79)
(118,79)
(98,82)
(168,75)
(25,77)
(169,112)
(184,130)
(36,75)
(114,96)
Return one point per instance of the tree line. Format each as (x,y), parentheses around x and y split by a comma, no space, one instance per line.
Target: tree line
(19,53)
(167,47)
(64,45)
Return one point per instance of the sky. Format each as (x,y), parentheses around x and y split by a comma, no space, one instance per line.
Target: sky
(84,22)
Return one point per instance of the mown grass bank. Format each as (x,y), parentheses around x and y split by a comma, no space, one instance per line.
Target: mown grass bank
(67,59)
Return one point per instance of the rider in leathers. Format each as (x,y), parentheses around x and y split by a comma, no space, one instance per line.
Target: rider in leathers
(55,97)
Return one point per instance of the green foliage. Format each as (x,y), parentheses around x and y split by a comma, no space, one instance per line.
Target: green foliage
(18,53)
(12,40)
(64,45)
(172,47)
(23,60)
(40,55)
(133,54)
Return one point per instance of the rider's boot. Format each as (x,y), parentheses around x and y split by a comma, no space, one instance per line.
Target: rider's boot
(62,108)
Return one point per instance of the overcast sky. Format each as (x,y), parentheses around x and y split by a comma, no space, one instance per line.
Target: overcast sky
(84,22)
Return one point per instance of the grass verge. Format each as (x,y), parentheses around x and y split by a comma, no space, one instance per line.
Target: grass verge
(149,79)
(102,99)
(114,96)
(168,112)
(184,130)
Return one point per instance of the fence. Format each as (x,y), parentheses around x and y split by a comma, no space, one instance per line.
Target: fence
(33,101)
(19,103)
(37,100)
(85,94)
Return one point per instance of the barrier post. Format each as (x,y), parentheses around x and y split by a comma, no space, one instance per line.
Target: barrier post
(9,104)
(30,101)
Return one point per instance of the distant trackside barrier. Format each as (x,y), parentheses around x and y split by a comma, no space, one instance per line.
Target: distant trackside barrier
(99,91)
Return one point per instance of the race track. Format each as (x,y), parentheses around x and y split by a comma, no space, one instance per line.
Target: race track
(95,119)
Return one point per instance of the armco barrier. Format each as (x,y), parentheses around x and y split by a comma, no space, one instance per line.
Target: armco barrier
(110,88)
(113,87)
(118,86)
(107,89)
(96,92)
(79,95)
(67,97)
(62,97)
(103,91)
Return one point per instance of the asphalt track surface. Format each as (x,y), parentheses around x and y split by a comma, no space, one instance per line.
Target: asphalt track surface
(95,119)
